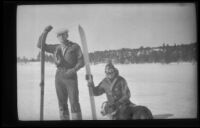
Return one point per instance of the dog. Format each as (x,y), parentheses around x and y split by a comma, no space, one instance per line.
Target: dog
(126,112)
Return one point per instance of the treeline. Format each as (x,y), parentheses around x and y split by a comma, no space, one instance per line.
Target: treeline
(48,58)
(25,60)
(161,54)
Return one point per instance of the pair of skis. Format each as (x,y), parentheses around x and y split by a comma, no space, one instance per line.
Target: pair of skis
(87,66)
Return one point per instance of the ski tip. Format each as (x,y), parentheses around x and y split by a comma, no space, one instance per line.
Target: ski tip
(80,28)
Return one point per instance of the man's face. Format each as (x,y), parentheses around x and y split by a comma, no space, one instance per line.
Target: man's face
(63,37)
(110,72)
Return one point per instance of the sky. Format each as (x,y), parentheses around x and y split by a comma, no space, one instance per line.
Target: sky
(107,26)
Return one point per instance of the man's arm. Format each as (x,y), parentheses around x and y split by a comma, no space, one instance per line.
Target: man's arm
(125,92)
(80,59)
(98,90)
(42,41)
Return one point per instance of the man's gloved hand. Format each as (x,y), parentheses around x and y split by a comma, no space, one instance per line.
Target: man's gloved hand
(117,104)
(57,56)
(108,108)
(89,78)
(48,28)
(70,72)
(112,106)
(90,84)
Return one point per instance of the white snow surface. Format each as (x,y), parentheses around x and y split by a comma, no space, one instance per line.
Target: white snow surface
(166,89)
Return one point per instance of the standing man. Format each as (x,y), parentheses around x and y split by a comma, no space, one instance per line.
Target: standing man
(68,59)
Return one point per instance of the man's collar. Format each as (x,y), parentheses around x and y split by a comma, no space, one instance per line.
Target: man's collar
(67,43)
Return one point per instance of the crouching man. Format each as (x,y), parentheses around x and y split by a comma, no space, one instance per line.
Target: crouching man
(118,106)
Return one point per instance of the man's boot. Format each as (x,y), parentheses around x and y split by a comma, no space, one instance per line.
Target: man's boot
(77,116)
(64,116)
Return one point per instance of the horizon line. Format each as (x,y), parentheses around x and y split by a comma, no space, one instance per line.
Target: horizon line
(123,48)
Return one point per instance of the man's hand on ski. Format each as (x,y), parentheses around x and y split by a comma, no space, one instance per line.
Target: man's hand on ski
(89,78)
(48,28)
(41,41)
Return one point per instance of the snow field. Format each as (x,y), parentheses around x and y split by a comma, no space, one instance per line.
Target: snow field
(163,88)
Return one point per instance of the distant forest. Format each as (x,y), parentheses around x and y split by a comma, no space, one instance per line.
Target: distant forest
(162,54)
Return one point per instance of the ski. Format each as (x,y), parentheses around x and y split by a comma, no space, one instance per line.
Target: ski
(42,59)
(87,67)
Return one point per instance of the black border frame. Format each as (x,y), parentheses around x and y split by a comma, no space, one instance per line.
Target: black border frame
(9,85)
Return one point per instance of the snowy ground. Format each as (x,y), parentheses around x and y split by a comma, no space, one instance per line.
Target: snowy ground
(168,90)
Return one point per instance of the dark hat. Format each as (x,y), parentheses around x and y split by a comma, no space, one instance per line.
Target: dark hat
(109,64)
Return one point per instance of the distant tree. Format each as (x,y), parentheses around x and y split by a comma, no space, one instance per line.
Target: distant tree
(48,57)
(38,56)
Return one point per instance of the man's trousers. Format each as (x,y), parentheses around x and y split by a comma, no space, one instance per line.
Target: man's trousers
(67,88)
